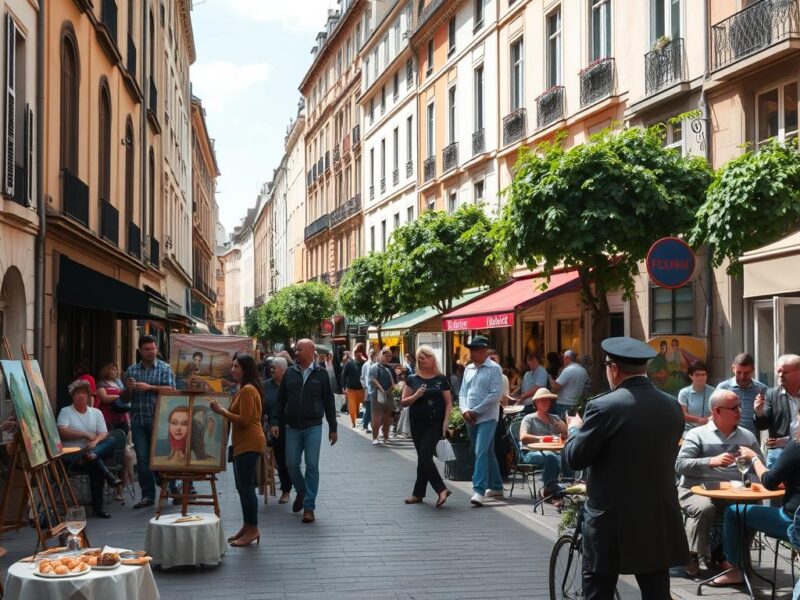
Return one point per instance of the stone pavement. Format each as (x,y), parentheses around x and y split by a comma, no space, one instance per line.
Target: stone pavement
(366,543)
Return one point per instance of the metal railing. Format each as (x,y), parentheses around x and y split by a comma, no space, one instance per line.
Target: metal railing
(758,26)
(345,211)
(336,156)
(429,168)
(108,17)
(550,106)
(427,12)
(76,197)
(340,275)
(514,126)
(450,157)
(395,176)
(131,58)
(134,240)
(155,252)
(109,222)
(383,184)
(663,66)
(597,81)
(409,168)
(478,142)
(317,226)
(371,192)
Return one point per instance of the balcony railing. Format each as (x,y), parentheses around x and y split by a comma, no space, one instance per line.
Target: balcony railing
(409,168)
(336,156)
(134,240)
(155,252)
(372,192)
(514,126)
(663,66)
(409,79)
(597,81)
(345,211)
(395,176)
(429,168)
(450,157)
(76,197)
(550,106)
(396,94)
(318,226)
(340,275)
(356,135)
(325,278)
(346,144)
(756,27)
(131,58)
(109,222)
(108,16)
(383,184)
(428,11)
(478,142)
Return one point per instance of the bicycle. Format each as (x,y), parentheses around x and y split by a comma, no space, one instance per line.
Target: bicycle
(565,574)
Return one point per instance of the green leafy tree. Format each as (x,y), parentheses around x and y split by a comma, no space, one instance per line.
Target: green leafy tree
(300,308)
(753,200)
(597,208)
(363,293)
(252,327)
(432,260)
(270,325)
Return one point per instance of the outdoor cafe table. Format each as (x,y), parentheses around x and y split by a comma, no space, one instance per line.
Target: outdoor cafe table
(513,410)
(754,494)
(546,446)
(126,582)
(174,540)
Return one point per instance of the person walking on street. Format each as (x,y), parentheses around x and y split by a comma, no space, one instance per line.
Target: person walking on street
(248,443)
(427,394)
(304,396)
(570,384)
(382,380)
(748,389)
(143,381)
(351,383)
(629,438)
(480,405)
(367,385)
(278,444)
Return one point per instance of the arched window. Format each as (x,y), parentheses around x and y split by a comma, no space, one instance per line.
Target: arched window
(104,145)
(70,82)
(129,171)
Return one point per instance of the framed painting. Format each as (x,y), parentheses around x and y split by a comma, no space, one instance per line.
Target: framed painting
(44,410)
(202,363)
(26,416)
(187,434)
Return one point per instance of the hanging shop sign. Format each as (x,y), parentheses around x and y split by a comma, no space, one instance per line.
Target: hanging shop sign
(670,263)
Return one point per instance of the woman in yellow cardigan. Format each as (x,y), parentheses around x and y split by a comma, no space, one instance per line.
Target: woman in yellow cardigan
(248,443)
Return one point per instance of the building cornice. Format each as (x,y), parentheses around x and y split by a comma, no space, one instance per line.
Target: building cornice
(186,29)
(445,10)
(382,27)
(199,117)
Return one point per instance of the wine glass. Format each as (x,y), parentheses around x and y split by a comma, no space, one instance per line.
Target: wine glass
(743,464)
(75,522)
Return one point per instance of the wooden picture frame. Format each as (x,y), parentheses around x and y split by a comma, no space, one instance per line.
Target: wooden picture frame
(187,435)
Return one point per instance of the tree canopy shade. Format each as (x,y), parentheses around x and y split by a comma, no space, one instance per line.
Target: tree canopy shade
(597,208)
(432,260)
(753,200)
(296,311)
(363,292)
(252,326)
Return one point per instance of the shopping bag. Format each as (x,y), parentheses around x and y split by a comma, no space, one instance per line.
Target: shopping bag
(444,451)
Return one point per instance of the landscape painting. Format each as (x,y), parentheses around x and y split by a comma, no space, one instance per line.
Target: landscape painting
(23,408)
(44,410)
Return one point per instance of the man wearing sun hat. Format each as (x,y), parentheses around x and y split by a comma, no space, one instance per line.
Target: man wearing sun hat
(628,441)
(537,425)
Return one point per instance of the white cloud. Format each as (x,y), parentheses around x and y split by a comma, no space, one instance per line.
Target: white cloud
(302,15)
(219,82)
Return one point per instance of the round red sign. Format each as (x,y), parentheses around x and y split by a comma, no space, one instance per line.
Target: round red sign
(327,326)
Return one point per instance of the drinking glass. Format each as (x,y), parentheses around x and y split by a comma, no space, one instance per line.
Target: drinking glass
(743,465)
(75,522)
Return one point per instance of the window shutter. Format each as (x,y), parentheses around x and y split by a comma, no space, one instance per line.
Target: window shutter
(29,145)
(10,115)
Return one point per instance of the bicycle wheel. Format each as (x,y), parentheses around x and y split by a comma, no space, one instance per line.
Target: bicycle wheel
(565,570)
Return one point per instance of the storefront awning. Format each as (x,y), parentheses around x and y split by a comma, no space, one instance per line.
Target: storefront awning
(766,268)
(497,308)
(399,325)
(81,286)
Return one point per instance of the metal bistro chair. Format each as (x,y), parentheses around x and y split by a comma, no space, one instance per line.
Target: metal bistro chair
(526,472)
(116,462)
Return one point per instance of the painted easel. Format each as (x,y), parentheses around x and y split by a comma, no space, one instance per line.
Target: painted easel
(184,495)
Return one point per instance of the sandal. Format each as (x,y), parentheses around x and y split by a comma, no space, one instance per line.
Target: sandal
(412,500)
(443,499)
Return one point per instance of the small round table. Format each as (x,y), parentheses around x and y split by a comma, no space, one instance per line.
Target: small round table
(547,446)
(173,541)
(513,410)
(756,493)
(123,583)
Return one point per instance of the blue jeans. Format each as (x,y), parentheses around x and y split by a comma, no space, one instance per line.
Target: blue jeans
(560,409)
(367,419)
(141,434)
(770,520)
(486,474)
(298,442)
(551,462)
(244,472)
(772,456)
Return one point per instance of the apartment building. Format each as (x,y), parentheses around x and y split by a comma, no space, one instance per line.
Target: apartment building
(332,139)
(263,244)
(388,103)
(280,251)
(238,265)
(295,152)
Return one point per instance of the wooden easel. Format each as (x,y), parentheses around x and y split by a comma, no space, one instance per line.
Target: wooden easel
(185,497)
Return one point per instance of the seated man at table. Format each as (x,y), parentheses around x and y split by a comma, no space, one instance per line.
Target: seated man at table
(81,425)
(537,425)
(708,454)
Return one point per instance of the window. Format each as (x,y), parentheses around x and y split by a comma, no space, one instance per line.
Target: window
(18,119)
(396,85)
(431,202)
(517,75)
(409,214)
(478,15)
(347,55)
(130,165)
(383,235)
(451,36)
(451,114)
(371,110)
(395,149)
(665,19)
(396,221)
(383,161)
(600,24)
(616,324)
(672,311)
(372,238)
(358,38)
(430,132)
(371,167)
(673,136)
(409,73)
(478,190)
(409,138)
(478,100)
(554,48)
(385,52)
(70,82)
(776,114)
(452,201)
(383,99)
(104,145)
(397,36)
(366,69)
(429,69)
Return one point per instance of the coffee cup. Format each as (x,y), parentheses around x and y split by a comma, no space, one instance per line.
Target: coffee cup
(547,438)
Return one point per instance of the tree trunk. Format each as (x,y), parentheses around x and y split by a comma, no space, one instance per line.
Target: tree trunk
(380,336)
(594,296)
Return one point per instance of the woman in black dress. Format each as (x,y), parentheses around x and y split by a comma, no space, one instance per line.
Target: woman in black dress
(427,393)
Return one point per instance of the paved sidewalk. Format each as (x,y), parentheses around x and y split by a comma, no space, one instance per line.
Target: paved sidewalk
(366,543)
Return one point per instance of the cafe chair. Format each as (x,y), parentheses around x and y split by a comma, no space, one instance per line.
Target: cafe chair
(116,463)
(525,471)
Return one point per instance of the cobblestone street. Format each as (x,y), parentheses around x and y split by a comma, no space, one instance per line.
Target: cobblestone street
(366,543)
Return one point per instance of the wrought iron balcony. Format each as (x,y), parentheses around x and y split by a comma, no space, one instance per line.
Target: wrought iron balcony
(325,278)
(76,197)
(550,106)
(395,176)
(131,58)
(345,211)
(597,81)
(155,252)
(450,157)
(336,156)
(428,12)
(340,275)
(396,94)
(383,106)
(109,222)
(317,226)
(429,168)
(409,168)
(356,135)
(372,192)
(514,126)
(134,240)
(409,79)
(383,184)
(758,26)
(478,142)
(663,66)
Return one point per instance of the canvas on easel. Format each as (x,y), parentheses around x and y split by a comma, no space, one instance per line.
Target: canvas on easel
(26,416)
(44,410)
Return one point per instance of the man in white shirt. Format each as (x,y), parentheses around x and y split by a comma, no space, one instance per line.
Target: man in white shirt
(367,385)
(571,383)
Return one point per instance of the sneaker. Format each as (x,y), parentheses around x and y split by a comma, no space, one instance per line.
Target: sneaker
(477,499)
(494,494)
(381,441)
(375,442)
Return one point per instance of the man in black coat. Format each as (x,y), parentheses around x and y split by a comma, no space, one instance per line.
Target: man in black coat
(629,441)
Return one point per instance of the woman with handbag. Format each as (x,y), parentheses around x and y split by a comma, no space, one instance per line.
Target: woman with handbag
(427,394)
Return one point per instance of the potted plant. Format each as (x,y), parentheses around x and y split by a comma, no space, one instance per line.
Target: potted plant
(459,469)
(661,43)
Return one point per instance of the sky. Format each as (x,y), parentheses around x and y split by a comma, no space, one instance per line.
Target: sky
(251,57)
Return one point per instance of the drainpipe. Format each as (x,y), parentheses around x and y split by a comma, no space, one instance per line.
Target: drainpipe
(706,130)
(143,162)
(38,300)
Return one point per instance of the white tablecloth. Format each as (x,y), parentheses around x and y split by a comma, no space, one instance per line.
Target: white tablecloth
(123,583)
(177,544)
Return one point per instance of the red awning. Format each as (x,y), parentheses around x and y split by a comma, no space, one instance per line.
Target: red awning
(497,308)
